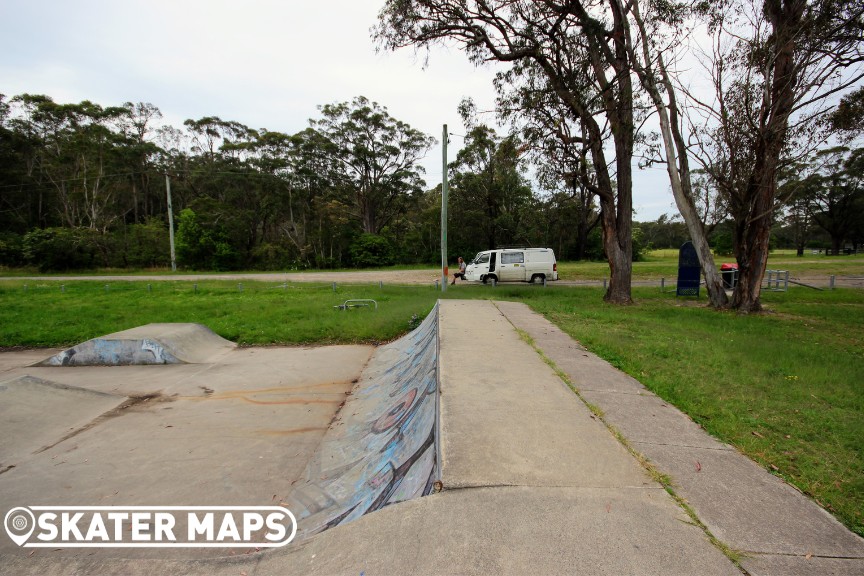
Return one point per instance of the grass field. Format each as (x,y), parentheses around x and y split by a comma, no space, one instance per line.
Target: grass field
(261,313)
(785,387)
(664,264)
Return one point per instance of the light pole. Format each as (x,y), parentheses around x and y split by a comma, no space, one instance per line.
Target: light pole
(444,273)
(170,222)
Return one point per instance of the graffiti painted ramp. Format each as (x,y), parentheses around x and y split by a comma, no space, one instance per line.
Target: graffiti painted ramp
(180,343)
(381,448)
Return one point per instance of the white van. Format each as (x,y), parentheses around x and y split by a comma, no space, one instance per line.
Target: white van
(513,265)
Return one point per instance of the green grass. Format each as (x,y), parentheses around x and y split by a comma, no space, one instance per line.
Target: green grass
(785,387)
(263,313)
(664,264)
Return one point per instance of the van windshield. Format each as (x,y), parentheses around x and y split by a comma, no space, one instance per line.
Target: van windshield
(481,258)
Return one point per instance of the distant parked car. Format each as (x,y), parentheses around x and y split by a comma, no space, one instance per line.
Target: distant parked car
(513,265)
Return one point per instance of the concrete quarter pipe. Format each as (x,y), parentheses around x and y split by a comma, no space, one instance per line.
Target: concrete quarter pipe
(381,448)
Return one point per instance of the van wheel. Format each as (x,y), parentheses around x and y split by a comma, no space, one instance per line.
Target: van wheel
(540,277)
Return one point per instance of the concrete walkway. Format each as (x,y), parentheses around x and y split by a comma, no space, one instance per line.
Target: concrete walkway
(777,529)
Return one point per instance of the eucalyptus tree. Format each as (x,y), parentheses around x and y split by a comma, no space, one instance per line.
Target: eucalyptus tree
(16,208)
(776,68)
(833,192)
(579,48)
(490,194)
(559,149)
(653,34)
(373,157)
(76,155)
(138,128)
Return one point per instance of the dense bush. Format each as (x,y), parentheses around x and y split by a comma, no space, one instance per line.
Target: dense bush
(271,257)
(61,249)
(11,249)
(145,245)
(370,250)
(201,246)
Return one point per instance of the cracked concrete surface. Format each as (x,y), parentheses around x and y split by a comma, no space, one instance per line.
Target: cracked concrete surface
(236,429)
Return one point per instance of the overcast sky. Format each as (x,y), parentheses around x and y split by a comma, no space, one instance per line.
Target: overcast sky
(264,63)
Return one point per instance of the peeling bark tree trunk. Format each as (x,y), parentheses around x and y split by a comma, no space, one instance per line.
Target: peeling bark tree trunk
(752,235)
(677,164)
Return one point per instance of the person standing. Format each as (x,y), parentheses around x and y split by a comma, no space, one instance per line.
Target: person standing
(461,272)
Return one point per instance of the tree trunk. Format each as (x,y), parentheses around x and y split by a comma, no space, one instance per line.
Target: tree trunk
(752,256)
(619,256)
(753,224)
(677,164)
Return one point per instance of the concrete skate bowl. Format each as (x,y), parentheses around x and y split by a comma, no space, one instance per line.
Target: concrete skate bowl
(382,446)
(180,343)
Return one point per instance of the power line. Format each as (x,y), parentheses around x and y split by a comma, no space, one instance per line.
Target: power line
(53,183)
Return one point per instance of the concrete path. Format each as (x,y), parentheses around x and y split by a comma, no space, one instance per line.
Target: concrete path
(777,529)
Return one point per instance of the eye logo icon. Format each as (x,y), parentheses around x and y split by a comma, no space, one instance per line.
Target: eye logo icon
(19,523)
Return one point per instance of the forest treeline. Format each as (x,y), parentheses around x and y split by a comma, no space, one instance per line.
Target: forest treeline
(84,186)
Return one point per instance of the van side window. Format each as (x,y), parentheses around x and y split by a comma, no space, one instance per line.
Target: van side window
(512,258)
(482,259)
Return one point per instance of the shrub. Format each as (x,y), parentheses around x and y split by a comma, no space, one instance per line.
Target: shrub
(203,247)
(268,256)
(371,250)
(60,249)
(11,249)
(146,245)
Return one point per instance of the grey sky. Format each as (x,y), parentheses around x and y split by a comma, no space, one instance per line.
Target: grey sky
(264,63)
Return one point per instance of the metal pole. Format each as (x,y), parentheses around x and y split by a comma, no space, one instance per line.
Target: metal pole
(444,272)
(170,222)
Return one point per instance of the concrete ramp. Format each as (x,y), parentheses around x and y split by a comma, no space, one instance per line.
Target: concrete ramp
(381,448)
(180,343)
(35,414)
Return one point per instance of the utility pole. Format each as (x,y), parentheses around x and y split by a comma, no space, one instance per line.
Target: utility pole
(170,222)
(444,273)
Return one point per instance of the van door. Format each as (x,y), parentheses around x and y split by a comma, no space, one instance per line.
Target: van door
(478,268)
(512,266)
